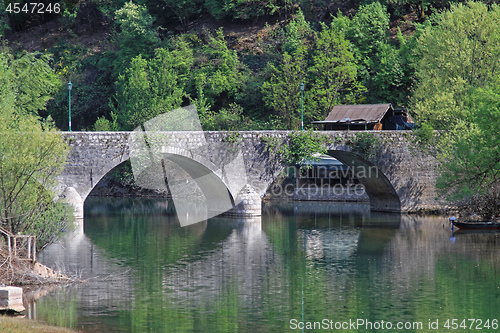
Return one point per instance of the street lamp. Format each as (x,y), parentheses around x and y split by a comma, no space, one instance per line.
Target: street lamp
(70,85)
(302,104)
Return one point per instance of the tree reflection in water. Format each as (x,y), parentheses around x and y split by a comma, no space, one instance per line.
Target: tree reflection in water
(300,260)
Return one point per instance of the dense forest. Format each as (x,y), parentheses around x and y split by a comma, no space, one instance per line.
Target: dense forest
(242,62)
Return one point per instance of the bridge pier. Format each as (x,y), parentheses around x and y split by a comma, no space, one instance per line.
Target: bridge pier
(71,196)
(250,203)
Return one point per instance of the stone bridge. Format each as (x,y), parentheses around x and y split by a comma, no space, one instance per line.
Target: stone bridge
(397,179)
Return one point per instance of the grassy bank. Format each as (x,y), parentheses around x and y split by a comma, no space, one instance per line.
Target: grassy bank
(22,325)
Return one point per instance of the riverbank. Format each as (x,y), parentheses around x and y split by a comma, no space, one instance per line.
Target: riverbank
(22,325)
(17,272)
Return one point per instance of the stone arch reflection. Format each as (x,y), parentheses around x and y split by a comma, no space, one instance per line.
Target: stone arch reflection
(383,196)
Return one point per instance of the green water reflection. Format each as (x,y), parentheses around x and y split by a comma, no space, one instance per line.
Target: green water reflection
(301,261)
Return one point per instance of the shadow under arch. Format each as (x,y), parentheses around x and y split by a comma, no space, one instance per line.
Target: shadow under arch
(383,196)
(212,186)
(191,177)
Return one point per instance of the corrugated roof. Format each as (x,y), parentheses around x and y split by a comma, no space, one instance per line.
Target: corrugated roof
(370,113)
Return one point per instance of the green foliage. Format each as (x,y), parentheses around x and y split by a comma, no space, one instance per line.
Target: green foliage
(334,74)
(426,135)
(306,146)
(348,61)
(102,124)
(68,17)
(218,69)
(184,9)
(29,79)
(220,8)
(471,154)
(90,97)
(251,97)
(227,119)
(236,9)
(340,23)
(459,52)
(133,95)
(4,20)
(233,137)
(123,174)
(93,85)
(134,20)
(385,68)
(67,58)
(275,146)
(421,7)
(147,89)
(367,145)
(458,91)
(326,65)
(109,7)
(301,146)
(369,28)
(32,155)
(393,72)
(137,36)
(297,32)
(282,90)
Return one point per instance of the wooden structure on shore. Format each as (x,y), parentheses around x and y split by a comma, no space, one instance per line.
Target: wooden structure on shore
(21,246)
(364,117)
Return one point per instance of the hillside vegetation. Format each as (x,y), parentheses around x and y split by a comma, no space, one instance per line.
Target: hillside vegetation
(240,62)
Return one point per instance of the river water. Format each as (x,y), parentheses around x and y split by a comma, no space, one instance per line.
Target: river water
(303,266)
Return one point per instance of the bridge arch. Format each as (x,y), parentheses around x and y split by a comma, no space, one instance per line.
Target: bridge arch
(198,191)
(381,193)
(201,175)
(383,196)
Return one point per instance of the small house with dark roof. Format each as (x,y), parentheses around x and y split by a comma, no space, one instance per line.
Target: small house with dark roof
(366,117)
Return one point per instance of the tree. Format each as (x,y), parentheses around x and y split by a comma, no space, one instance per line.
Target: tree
(459,51)
(296,34)
(4,20)
(282,90)
(147,89)
(226,119)
(334,73)
(184,9)
(236,9)
(29,79)
(471,160)
(369,28)
(393,72)
(376,58)
(137,36)
(458,91)
(218,71)
(31,155)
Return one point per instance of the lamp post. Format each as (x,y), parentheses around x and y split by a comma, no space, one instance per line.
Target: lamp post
(70,85)
(302,105)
